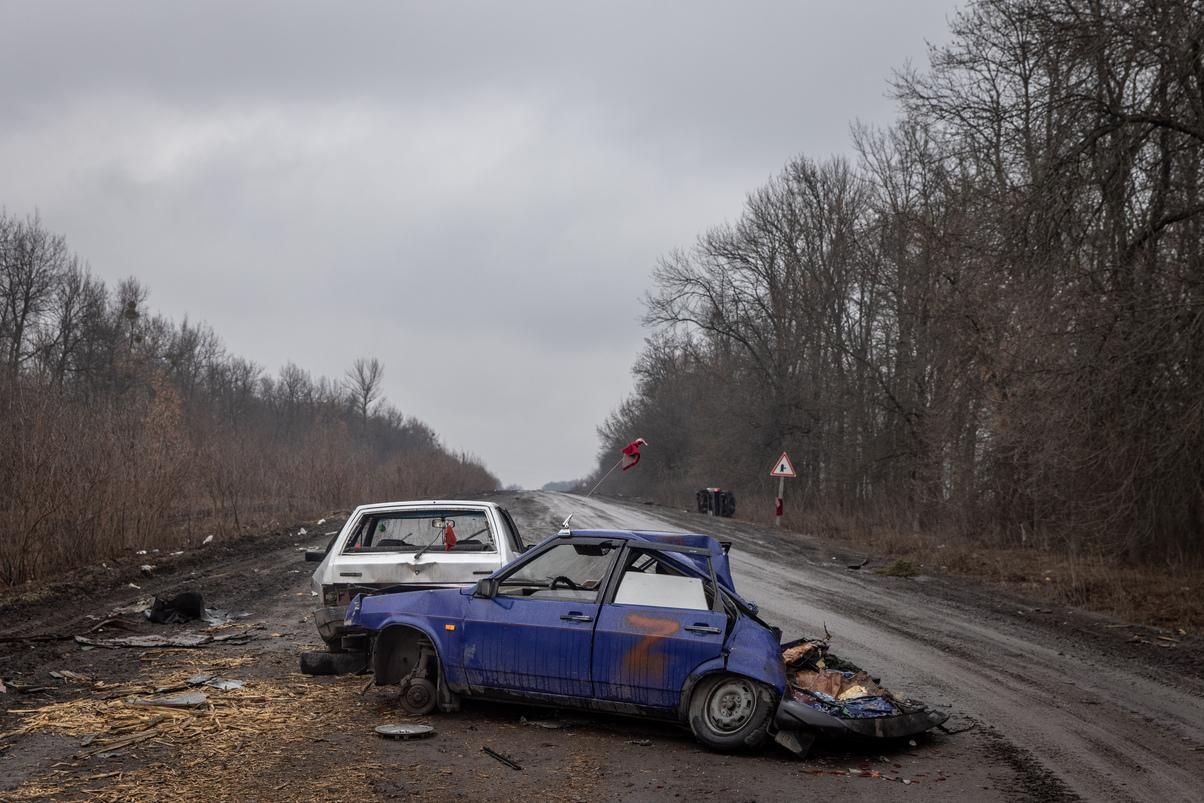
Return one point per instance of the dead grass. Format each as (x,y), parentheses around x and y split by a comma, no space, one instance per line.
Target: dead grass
(238,746)
(898,568)
(1168,596)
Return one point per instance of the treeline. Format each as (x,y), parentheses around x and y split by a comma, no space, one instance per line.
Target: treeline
(990,321)
(120,429)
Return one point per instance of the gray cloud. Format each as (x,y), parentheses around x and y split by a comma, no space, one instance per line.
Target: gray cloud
(474,191)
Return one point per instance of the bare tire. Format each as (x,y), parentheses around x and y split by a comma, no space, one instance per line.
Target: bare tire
(731,712)
(333,663)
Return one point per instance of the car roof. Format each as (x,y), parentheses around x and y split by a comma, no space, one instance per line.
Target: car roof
(433,503)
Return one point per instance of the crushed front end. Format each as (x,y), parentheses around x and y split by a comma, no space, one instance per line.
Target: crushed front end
(828,696)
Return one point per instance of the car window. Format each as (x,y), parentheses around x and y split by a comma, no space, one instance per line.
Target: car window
(415,530)
(649,579)
(566,571)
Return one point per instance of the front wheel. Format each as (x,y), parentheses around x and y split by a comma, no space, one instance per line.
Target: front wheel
(731,712)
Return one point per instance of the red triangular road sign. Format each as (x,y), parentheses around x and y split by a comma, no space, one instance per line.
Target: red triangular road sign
(783,468)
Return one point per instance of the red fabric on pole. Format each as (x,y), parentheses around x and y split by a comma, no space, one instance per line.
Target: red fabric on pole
(631,453)
(777,509)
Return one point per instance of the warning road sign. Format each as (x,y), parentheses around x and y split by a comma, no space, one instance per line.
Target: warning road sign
(783,468)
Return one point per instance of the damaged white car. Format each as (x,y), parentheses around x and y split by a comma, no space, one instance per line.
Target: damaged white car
(407,546)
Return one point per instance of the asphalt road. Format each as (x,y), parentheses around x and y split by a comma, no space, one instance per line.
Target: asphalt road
(1063,705)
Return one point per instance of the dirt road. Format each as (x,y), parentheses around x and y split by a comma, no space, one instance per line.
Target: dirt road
(1065,705)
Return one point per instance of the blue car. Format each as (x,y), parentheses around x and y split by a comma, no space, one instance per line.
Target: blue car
(638,623)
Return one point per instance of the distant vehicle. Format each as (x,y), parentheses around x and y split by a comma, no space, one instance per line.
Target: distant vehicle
(716,502)
(407,546)
(638,623)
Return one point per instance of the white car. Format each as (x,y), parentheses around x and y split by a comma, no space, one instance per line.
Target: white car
(408,546)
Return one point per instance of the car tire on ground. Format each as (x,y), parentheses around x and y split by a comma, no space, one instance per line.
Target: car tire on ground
(333,663)
(731,712)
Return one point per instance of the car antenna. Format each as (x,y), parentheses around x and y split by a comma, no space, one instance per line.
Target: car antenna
(564,527)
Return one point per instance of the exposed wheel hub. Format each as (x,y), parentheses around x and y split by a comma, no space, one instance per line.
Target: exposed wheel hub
(730,706)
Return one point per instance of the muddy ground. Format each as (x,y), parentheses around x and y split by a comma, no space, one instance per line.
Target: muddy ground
(1064,705)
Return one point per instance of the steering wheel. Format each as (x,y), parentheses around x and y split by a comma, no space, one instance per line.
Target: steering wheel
(568,583)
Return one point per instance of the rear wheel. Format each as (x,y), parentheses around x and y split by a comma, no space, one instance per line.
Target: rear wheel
(731,712)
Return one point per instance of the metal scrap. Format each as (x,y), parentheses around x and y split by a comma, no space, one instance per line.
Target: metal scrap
(189,699)
(496,755)
(184,640)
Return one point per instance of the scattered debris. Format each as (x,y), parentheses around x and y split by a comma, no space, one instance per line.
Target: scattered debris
(187,640)
(225,684)
(496,755)
(859,565)
(551,724)
(147,569)
(189,699)
(302,531)
(27,688)
(183,607)
(67,674)
(640,742)
(137,606)
(208,539)
(219,616)
(118,623)
(134,586)
(320,522)
(3,688)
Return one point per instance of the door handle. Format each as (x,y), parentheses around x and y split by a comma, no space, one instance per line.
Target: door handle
(576,616)
(699,627)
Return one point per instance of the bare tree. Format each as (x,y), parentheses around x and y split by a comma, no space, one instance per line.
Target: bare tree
(363,384)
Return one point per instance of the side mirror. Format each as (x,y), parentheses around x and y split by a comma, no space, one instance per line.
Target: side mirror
(486,588)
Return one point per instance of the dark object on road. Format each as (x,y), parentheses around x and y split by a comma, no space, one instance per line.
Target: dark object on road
(645,624)
(716,502)
(333,663)
(404,731)
(183,607)
(508,762)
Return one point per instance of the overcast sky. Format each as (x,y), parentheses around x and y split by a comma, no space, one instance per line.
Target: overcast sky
(474,193)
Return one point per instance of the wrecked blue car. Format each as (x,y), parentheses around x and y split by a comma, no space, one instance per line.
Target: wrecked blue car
(648,624)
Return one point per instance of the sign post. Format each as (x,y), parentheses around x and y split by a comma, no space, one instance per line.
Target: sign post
(782,469)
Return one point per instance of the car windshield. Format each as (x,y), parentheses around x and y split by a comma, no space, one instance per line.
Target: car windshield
(413,530)
(566,571)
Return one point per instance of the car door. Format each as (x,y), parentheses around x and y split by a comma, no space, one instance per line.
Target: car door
(535,635)
(657,629)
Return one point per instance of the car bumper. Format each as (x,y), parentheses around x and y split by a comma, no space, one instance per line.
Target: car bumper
(332,624)
(793,715)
